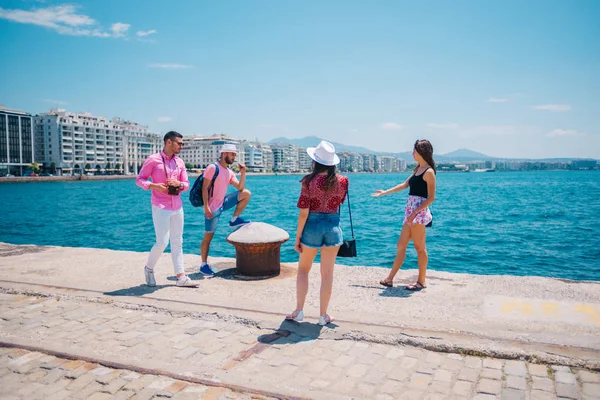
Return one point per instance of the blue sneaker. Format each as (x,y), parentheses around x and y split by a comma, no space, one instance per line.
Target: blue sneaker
(239,221)
(207,270)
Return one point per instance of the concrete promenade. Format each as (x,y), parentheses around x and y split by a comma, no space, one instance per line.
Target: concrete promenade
(463,337)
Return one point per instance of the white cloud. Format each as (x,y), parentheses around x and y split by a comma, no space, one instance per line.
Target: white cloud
(57,102)
(64,20)
(497,100)
(145,33)
(562,132)
(391,126)
(449,125)
(164,119)
(553,107)
(170,66)
(119,29)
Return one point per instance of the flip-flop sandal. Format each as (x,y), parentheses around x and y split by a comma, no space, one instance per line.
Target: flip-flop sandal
(386,283)
(416,286)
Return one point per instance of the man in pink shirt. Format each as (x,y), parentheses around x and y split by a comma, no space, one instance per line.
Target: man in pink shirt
(169,179)
(220,201)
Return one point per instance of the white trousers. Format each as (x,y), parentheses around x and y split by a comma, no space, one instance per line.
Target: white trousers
(168,225)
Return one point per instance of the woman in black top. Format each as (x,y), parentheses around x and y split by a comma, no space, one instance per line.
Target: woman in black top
(416,214)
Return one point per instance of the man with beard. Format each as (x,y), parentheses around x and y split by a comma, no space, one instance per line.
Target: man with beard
(220,201)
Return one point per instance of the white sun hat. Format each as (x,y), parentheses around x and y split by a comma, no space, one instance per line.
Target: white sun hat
(324,154)
(229,148)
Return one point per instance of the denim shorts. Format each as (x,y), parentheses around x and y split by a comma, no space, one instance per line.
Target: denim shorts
(231,200)
(322,230)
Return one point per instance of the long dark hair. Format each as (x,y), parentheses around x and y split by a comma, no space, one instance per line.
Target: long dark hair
(319,168)
(425,150)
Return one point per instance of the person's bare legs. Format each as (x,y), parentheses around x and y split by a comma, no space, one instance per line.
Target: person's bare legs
(419,235)
(244,199)
(205,245)
(304,265)
(403,240)
(328,256)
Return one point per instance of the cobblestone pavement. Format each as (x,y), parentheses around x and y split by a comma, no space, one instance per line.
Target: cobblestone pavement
(300,362)
(33,375)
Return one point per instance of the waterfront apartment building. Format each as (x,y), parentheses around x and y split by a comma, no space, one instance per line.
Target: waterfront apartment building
(71,142)
(16,141)
(258,156)
(268,161)
(368,162)
(304,160)
(285,157)
(200,151)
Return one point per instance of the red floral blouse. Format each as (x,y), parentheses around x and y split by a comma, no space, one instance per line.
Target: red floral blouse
(314,197)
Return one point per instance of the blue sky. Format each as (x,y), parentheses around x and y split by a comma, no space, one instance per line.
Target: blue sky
(507,78)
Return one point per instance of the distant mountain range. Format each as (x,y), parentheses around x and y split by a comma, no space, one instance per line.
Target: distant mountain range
(460,155)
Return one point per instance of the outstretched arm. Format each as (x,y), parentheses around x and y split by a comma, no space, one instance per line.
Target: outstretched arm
(395,189)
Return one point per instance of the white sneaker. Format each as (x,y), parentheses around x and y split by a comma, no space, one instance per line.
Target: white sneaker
(185,281)
(298,318)
(324,320)
(149,274)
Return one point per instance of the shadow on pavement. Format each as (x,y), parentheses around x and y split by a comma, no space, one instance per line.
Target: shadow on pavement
(139,290)
(290,332)
(196,276)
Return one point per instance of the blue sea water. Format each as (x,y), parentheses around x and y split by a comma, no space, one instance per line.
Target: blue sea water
(517,223)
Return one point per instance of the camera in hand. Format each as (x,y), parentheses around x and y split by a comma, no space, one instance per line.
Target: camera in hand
(173,190)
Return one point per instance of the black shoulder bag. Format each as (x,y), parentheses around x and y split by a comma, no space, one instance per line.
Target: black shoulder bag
(348,248)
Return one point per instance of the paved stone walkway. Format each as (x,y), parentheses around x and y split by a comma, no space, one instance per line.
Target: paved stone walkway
(34,375)
(296,360)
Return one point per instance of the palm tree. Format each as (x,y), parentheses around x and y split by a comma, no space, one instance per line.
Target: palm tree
(34,167)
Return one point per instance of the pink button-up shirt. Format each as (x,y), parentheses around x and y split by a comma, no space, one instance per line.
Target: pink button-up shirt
(153,168)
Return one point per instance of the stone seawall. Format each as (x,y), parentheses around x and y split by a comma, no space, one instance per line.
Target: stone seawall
(65,178)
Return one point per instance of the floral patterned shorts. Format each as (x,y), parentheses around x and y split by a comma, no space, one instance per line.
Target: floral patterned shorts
(424,217)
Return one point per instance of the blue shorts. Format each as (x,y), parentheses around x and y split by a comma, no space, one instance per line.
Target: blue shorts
(322,230)
(231,200)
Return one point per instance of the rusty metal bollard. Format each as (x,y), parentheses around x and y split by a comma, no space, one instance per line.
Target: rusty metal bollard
(257,248)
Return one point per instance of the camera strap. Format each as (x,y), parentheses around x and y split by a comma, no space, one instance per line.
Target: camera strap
(165,167)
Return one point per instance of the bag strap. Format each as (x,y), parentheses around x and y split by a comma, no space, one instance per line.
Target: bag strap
(350,213)
(211,189)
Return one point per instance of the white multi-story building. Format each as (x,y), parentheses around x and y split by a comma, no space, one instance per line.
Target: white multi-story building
(253,154)
(401,164)
(201,151)
(356,162)
(304,160)
(16,141)
(74,142)
(285,157)
(368,162)
(388,164)
(267,157)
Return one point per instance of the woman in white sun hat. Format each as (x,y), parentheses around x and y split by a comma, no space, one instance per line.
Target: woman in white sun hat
(323,190)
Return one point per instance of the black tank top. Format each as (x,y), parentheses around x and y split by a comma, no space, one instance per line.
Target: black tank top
(418,186)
